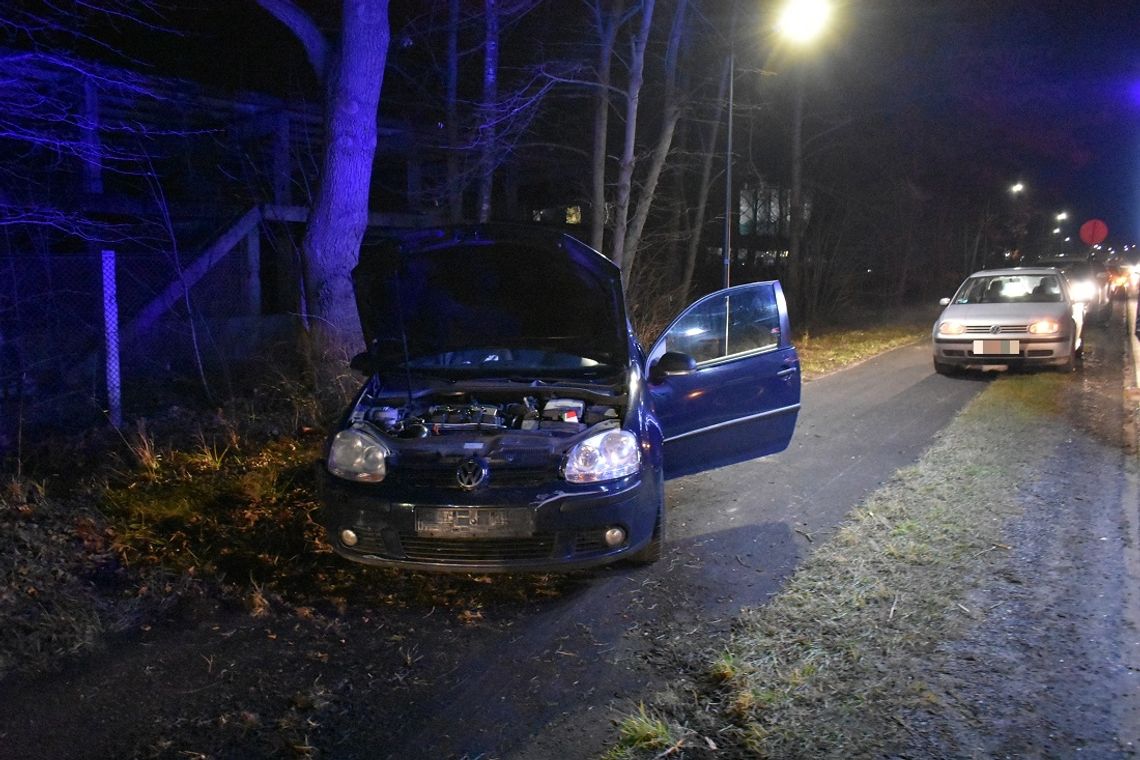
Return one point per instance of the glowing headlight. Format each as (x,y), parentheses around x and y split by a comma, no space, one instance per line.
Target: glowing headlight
(355,455)
(950,327)
(1083,291)
(606,456)
(1045,327)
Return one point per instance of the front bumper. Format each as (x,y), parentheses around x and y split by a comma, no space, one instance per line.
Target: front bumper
(1030,352)
(556,527)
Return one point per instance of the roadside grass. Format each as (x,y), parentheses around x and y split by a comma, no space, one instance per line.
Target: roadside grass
(824,670)
(828,349)
(218,503)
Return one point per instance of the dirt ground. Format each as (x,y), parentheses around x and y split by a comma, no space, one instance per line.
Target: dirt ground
(1053,669)
(1052,674)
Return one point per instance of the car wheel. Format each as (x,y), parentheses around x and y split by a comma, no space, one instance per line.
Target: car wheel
(653,550)
(944,369)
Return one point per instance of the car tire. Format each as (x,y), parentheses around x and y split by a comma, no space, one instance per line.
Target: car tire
(653,550)
(945,369)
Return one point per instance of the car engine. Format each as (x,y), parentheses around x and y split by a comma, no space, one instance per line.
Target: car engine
(452,413)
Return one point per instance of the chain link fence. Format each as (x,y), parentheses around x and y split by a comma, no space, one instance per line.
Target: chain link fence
(88,337)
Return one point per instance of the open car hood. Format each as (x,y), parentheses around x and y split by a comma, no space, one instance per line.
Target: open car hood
(490,300)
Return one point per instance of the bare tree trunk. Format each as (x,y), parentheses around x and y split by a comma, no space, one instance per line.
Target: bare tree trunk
(490,110)
(794,266)
(607,33)
(664,143)
(704,188)
(340,209)
(626,164)
(454,182)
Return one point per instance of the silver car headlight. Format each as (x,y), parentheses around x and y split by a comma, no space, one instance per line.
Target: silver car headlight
(605,456)
(356,455)
(951,327)
(1045,327)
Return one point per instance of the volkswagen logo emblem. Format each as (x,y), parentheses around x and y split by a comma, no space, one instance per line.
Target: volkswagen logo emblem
(471,474)
(995,329)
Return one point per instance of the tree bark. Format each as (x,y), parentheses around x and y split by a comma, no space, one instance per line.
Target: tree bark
(627,163)
(340,209)
(454,181)
(487,129)
(664,143)
(607,26)
(704,189)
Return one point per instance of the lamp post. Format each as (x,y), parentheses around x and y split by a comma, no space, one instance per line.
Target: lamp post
(801,22)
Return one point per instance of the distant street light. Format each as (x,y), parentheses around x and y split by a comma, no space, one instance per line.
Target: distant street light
(1017,187)
(1062,216)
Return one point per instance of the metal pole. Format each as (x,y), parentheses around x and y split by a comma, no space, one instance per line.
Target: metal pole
(797,175)
(111,338)
(727,247)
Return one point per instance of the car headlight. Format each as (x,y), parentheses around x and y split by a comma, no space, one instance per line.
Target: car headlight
(1084,291)
(356,455)
(605,456)
(951,327)
(1045,327)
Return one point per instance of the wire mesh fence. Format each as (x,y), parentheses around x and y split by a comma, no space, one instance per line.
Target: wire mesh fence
(88,337)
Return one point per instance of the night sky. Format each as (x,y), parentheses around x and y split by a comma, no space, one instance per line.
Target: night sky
(1050,89)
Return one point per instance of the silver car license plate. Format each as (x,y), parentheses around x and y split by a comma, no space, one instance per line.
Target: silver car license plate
(474,522)
(996,347)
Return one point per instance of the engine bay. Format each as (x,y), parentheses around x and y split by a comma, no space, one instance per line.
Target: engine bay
(490,412)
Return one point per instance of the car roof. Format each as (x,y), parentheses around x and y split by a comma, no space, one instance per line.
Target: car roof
(1014,271)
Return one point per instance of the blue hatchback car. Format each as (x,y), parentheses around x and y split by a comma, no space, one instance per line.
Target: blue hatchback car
(511,421)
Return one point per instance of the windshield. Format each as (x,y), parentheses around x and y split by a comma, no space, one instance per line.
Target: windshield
(1006,288)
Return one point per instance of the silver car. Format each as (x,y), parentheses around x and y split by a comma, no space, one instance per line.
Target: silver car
(1023,316)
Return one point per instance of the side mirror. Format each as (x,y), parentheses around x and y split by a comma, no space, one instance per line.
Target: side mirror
(944,302)
(362,363)
(671,363)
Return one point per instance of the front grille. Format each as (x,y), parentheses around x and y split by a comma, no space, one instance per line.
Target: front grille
(988,329)
(1039,353)
(371,540)
(443,477)
(468,551)
(588,542)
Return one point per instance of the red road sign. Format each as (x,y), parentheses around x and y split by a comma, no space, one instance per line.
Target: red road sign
(1093,232)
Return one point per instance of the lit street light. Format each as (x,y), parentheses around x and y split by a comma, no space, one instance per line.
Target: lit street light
(801,22)
(1017,187)
(1062,216)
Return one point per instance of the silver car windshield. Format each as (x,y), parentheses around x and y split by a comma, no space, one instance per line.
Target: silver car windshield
(1006,288)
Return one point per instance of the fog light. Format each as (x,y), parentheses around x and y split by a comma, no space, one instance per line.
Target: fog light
(615,537)
(348,537)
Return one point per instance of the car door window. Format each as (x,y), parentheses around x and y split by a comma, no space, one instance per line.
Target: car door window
(727,325)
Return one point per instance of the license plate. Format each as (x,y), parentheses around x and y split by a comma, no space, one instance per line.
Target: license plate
(474,522)
(996,347)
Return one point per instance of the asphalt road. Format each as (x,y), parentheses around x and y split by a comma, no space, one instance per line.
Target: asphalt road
(553,681)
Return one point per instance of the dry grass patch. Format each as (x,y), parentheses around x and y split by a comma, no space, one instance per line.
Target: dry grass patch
(824,353)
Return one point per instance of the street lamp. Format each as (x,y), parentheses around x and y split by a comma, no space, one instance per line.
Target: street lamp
(1017,188)
(800,22)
